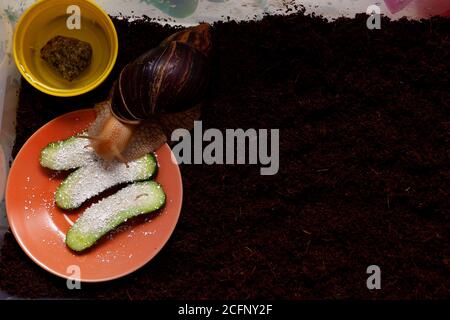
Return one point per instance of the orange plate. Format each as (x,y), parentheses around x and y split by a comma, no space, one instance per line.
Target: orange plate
(40,227)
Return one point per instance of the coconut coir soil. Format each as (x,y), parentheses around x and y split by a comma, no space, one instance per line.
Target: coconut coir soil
(364,119)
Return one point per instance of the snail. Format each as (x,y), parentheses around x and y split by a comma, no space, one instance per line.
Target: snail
(160,90)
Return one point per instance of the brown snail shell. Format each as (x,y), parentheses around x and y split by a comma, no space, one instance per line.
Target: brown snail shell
(170,78)
(158,92)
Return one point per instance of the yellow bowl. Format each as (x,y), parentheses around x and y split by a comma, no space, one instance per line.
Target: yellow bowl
(48,18)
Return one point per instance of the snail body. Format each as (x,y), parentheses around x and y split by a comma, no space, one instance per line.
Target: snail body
(168,79)
(112,139)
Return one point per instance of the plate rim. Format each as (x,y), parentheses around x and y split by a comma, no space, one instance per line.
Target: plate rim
(65,276)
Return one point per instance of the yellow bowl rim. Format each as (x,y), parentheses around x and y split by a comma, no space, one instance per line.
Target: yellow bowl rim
(68,92)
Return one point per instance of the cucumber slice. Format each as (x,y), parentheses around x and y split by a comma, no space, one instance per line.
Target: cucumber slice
(89,181)
(104,216)
(67,154)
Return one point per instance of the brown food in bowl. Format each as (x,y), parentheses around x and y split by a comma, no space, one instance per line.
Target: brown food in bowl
(69,56)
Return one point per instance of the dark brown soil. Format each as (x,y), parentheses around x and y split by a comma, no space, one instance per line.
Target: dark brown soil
(364,178)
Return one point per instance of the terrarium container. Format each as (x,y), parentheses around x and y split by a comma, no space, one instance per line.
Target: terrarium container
(176,12)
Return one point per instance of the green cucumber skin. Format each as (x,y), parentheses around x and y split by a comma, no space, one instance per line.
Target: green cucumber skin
(63,200)
(78,241)
(46,158)
(47,153)
(153,165)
